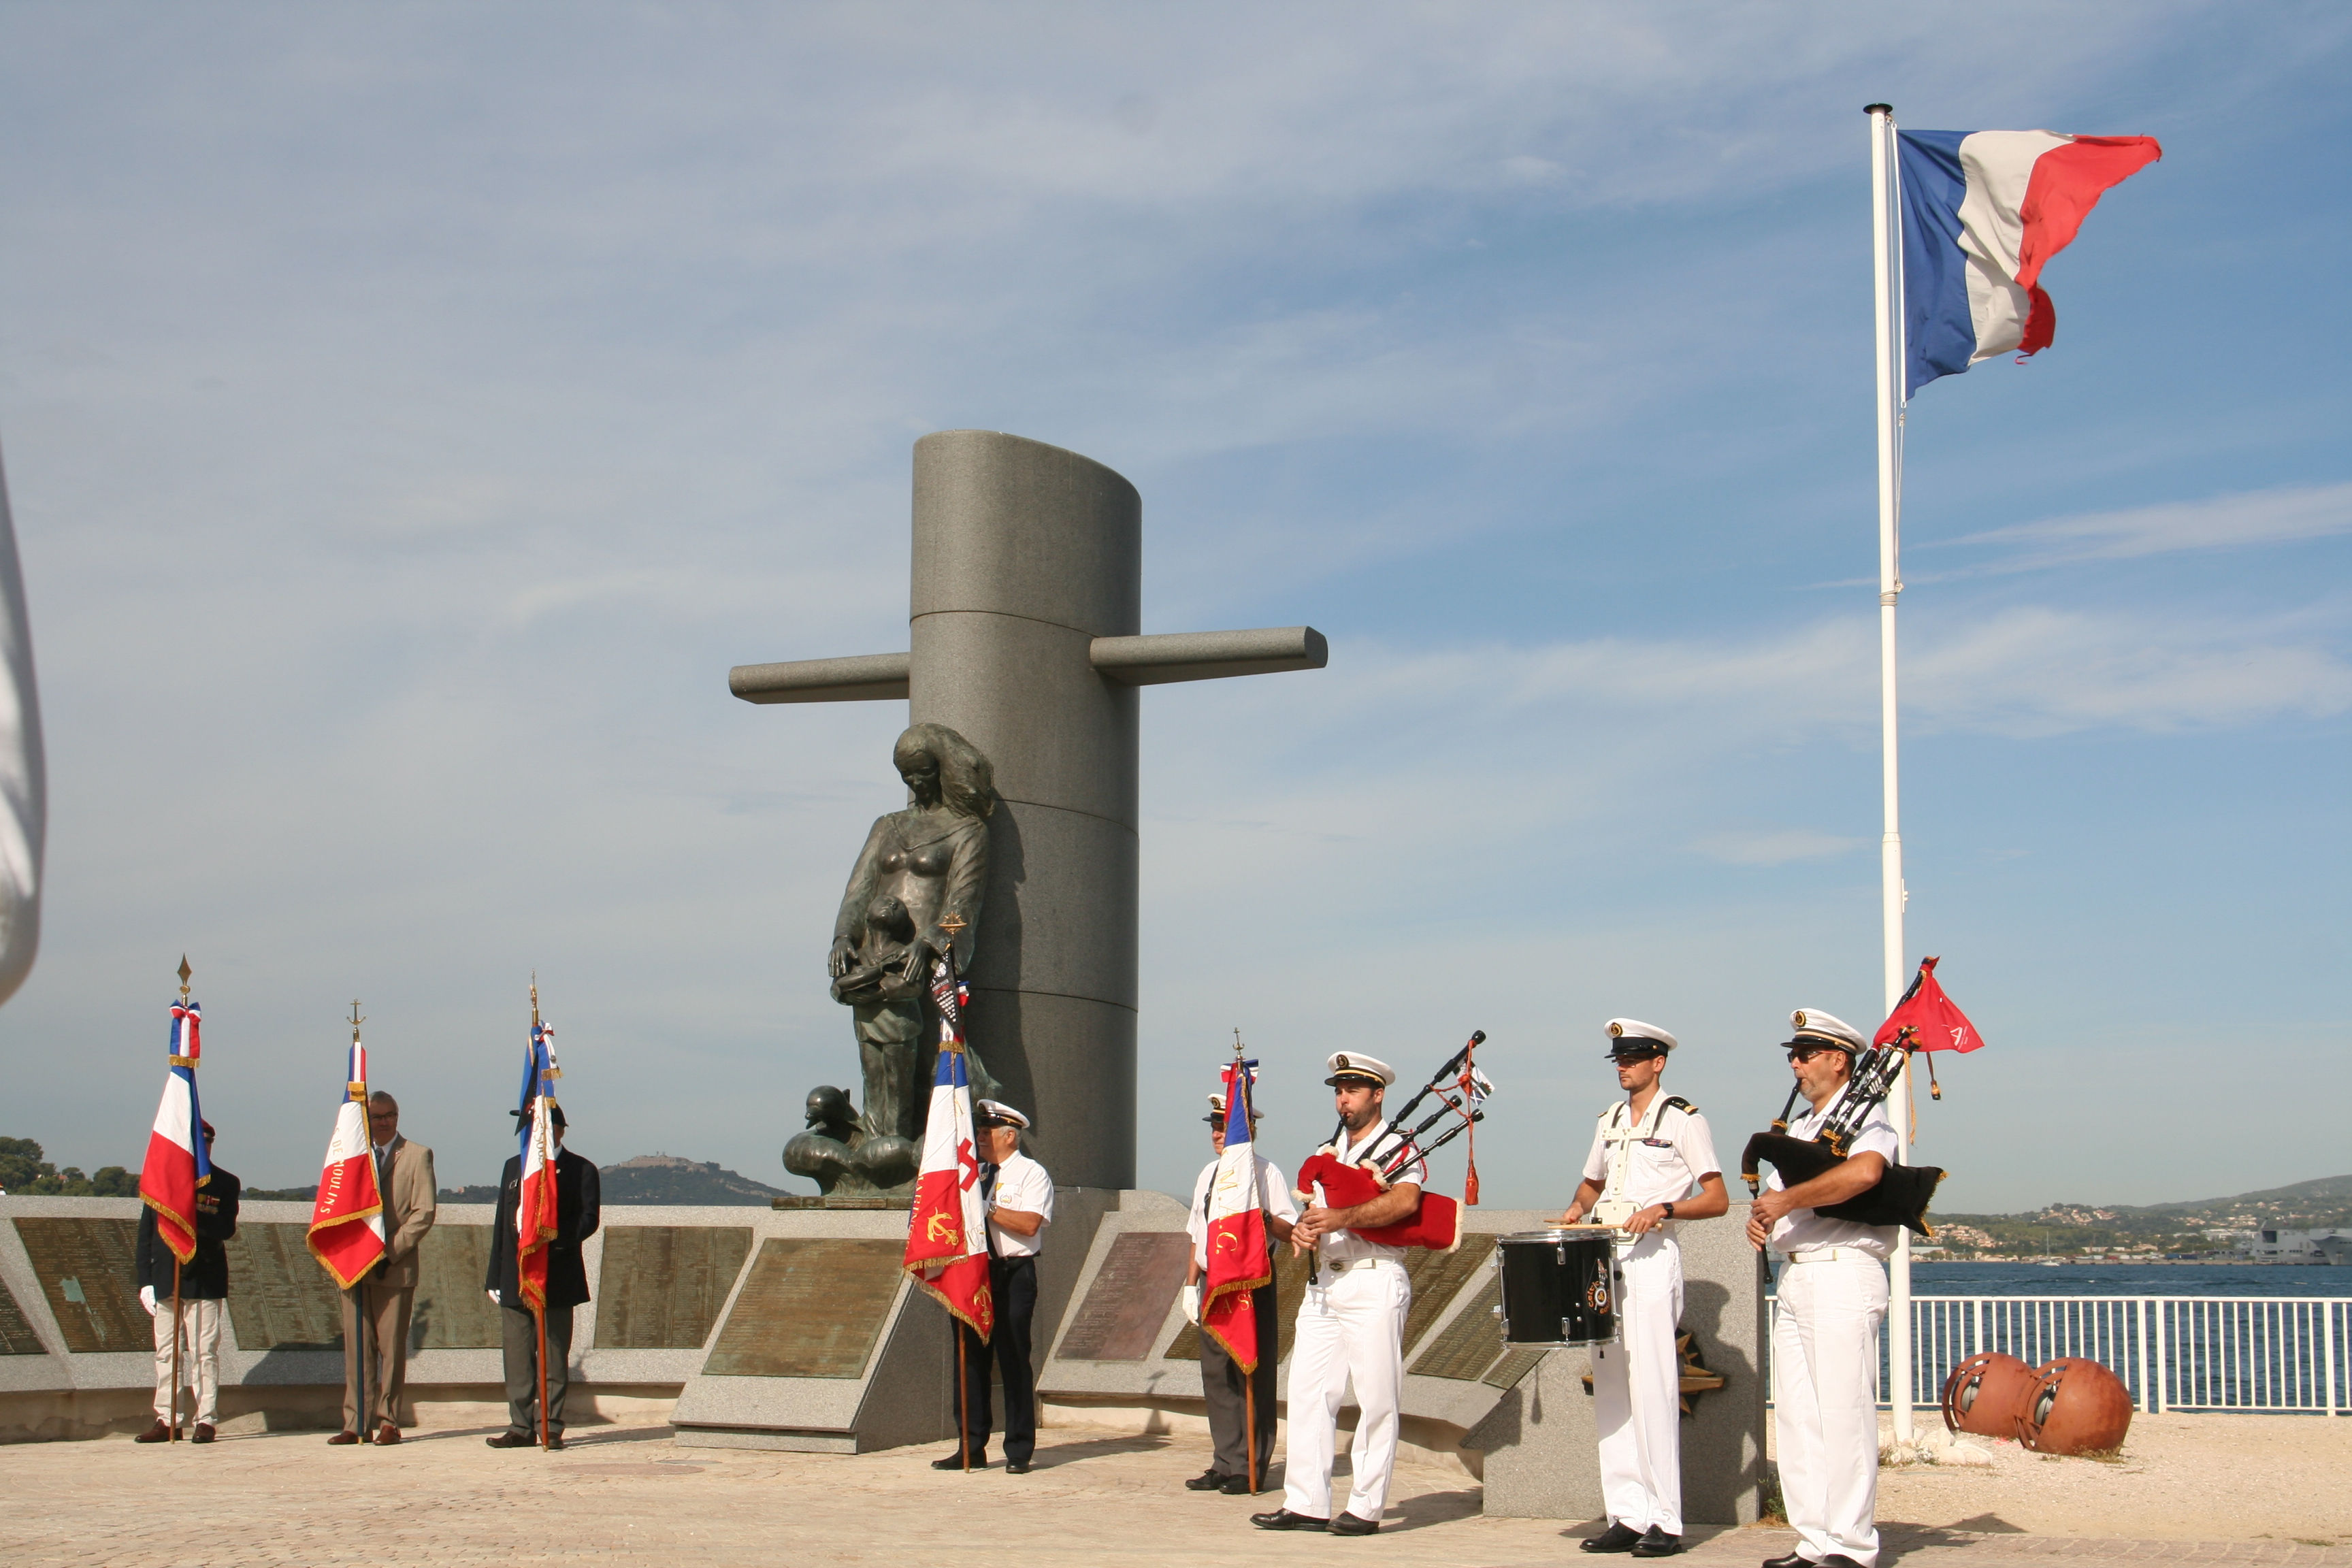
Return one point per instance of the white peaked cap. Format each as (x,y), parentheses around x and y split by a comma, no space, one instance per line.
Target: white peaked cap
(1217,1110)
(1826,1028)
(997,1111)
(1354,1064)
(1632,1031)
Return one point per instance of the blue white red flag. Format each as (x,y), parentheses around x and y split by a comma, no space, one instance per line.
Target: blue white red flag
(24,778)
(346,1233)
(1238,1260)
(535,1205)
(177,1164)
(1983,212)
(947,1234)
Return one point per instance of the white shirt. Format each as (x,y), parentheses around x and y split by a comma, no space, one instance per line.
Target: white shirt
(1345,1246)
(1273,1195)
(1666,1152)
(1023,1186)
(1803,1230)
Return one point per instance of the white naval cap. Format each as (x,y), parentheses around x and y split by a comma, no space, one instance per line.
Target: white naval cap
(1815,1027)
(1343,1065)
(997,1111)
(1630,1037)
(1217,1112)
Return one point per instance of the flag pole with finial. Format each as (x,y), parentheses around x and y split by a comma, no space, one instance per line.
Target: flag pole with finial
(199,1132)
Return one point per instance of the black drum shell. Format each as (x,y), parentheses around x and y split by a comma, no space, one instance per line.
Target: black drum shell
(1559,1288)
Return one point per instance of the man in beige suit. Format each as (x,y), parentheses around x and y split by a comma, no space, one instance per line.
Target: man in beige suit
(404,1174)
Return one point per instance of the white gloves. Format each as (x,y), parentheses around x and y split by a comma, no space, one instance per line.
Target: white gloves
(147,1298)
(1191,1297)
(493,1295)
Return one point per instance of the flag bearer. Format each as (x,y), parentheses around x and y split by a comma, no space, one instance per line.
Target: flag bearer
(1350,1325)
(1652,1163)
(203,1296)
(1832,1300)
(579,1210)
(1018,1195)
(1222,1378)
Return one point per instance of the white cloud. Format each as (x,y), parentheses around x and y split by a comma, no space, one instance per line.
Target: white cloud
(2222,522)
(1781,846)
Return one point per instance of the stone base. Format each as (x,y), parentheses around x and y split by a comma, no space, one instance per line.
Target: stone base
(843,1201)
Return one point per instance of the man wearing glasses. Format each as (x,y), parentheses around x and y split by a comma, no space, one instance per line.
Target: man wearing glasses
(1832,1300)
(1649,1154)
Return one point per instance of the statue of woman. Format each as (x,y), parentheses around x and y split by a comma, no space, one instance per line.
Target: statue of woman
(920,867)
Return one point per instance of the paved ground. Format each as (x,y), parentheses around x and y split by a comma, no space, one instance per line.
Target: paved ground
(626,1494)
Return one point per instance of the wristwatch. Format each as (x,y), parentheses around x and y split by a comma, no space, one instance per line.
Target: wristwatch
(1669,1208)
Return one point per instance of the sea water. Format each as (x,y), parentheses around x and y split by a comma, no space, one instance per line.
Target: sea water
(2003,1278)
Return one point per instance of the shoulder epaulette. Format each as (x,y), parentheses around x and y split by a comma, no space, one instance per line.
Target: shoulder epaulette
(1684,1106)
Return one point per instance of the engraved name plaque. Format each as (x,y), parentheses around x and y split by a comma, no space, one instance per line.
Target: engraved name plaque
(1129,1298)
(16,1336)
(89,1272)
(811,1307)
(280,1296)
(1289,1289)
(662,1286)
(452,1312)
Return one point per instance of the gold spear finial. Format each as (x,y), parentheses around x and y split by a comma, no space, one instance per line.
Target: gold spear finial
(184,973)
(356,1020)
(534,998)
(1237,1045)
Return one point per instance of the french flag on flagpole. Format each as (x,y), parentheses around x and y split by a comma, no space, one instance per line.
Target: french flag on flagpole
(1238,1260)
(947,1239)
(346,1233)
(535,1223)
(1983,212)
(177,1164)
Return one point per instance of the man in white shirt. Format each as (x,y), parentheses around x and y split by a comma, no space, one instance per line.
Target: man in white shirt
(1832,1300)
(1018,1197)
(1351,1324)
(1221,1378)
(1651,1152)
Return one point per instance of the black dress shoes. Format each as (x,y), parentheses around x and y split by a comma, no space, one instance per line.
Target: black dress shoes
(1283,1518)
(1016,1467)
(1656,1542)
(1239,1486)
(1207,1481)
(1616,1538)
(511,1440)
(1789,1560)
(1348,1524)
(955,1462)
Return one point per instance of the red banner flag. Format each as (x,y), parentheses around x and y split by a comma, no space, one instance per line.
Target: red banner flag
(346,1233)
(947,1235)
(1238,1263)
(1935,1024)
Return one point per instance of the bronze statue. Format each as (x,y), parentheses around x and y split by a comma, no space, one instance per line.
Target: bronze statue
(920,867)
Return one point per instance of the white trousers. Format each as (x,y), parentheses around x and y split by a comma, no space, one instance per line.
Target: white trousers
(200,1334)
(1637,1391)
(1825,1377)
(1350,1328)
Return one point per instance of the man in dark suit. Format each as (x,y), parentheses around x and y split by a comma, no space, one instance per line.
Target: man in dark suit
(578,1211)
(203,1296)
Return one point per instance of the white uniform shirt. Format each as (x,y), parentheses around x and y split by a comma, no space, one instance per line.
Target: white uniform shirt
(1021,1185)
(1273,1196)
(1804,1230)
(1345,1246)
(1666,1152)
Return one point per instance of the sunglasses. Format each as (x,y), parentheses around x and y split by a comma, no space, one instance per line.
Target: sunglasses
(1806,1053)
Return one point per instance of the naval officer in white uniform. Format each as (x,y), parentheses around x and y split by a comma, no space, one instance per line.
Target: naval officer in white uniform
(1652,1165)
(1832,1300)
(1350,1325)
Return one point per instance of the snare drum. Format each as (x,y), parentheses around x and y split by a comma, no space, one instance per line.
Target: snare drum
(1559,1286)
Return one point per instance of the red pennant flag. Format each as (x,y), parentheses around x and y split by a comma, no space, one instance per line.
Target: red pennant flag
(1935,1024)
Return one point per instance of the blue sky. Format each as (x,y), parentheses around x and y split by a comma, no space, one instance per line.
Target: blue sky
(411,413)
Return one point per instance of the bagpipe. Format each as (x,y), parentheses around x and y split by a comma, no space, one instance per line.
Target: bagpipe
(1436,1223)
(1902,1194)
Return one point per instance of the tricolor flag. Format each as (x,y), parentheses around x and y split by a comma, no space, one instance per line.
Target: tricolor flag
(24,781)
(535,1208)
(1238,1261)
(177,1164)
(947,1235)
(1983,212)
(346,1233)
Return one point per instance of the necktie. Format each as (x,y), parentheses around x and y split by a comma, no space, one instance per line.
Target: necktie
(987,1197)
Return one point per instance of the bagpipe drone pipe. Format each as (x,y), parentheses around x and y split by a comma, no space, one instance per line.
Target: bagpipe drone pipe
(1436,1221)
(1901,1195)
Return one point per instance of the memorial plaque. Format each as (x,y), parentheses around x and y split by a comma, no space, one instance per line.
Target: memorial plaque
(1470,1343)
(1437,1278)
(452,1313)
(88,1271)
(280,1296)
(1289,1289)
(1129,1298)
(662,1286)
(1514,1364)
(811,1308)
(16,1336)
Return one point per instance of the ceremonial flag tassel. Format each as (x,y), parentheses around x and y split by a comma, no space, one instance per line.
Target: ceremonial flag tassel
(947,1239)
(177,1162)
(1238,1260)
(346,1233)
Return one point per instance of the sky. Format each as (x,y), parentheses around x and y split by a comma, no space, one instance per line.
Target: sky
(411,413)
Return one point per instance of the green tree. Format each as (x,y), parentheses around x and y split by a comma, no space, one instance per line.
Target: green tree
(21,1164)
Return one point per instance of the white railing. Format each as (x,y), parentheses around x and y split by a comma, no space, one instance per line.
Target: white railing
(2284,1354)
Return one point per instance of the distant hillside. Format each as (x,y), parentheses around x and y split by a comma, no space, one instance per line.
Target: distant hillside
(2201,1227)
(666,1179)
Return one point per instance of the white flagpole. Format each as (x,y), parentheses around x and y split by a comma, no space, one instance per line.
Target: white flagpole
(1887,271)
